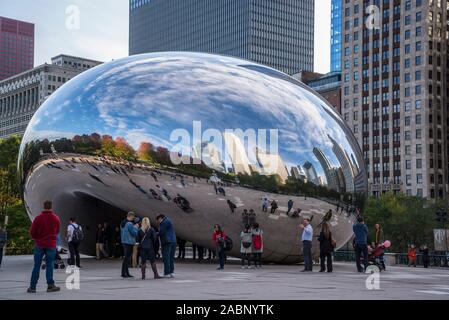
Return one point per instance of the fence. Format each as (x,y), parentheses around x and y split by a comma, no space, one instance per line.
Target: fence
(435,260)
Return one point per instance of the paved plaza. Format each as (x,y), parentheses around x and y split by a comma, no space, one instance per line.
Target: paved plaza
(198,281)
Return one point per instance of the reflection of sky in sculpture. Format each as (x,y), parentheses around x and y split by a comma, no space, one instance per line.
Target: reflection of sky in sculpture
(144,98)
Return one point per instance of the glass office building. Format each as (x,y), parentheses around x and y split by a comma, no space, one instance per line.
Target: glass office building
(336,35)
(279,34)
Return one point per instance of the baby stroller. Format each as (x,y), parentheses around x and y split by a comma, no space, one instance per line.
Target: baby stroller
(376,255)
(59,263)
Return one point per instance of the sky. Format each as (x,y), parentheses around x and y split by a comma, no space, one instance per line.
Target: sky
(101,32)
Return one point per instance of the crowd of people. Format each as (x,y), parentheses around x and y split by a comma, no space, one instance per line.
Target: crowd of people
(139,238)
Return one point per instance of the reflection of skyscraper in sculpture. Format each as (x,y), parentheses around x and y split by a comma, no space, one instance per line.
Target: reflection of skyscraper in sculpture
(271,164)
(311,174)
(345,164)
(209,154)
(331,175)
(298,173)
(237,153)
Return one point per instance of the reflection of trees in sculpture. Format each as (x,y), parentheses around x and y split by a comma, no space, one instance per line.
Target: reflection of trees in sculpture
(118,148)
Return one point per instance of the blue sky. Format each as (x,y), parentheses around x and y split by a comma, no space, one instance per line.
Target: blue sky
(103,28)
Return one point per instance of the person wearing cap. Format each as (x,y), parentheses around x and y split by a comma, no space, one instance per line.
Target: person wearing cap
(129,231)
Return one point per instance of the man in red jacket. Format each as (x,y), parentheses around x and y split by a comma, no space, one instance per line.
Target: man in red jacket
(44,231)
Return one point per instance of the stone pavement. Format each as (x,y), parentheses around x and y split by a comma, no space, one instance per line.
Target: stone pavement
(198,281)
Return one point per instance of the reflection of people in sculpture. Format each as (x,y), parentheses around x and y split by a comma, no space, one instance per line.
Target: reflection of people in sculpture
(274,206)
(182,202)
(155,195)
(289,206)
(231,205)
(154,176)
(245,217)
(163,191)
(251,217)
(222,191)
(265,205)
(296,213)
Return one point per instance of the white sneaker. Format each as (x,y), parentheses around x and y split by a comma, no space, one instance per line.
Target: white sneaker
(167,276)
(243,267)
(172,275)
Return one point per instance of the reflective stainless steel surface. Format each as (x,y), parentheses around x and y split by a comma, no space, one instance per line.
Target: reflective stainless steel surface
(111,140)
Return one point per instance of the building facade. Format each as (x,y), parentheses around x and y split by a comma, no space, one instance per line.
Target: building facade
(395,86)
(336,25)
(279,34)
(16,47)
(22,94)
(327,85)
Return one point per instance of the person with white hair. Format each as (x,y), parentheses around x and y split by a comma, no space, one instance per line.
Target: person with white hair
(147,238)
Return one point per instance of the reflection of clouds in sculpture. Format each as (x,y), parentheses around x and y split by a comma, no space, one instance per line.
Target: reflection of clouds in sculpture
(145,98)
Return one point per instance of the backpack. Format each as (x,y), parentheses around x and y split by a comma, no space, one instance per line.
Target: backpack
(257,242)
(77,234)
(228,244)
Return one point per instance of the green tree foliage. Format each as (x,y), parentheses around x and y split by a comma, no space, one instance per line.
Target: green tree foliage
(405,220)
(10,200)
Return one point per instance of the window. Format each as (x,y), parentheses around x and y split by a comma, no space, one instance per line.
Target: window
(418,149)
(408,164)
(418,134)
(407,120)
(418,163)
(419,178)
(418,119)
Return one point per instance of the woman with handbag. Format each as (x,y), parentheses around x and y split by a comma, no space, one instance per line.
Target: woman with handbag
(147,239)
(219,238)
(327,245)
(246,239)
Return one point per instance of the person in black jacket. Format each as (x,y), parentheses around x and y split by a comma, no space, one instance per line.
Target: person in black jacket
(100,240)
(147,238)
(326,247)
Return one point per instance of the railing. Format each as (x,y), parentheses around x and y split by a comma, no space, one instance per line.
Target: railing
(435,260)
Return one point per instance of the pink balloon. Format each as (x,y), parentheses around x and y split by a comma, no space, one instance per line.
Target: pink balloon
(387,244)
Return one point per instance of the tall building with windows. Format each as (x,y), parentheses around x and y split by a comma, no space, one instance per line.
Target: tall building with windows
(279,34)
(22,94)
(336,18)
(16,47)
(395,87)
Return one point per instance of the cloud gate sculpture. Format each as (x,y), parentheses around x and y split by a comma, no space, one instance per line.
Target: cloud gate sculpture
(199,138)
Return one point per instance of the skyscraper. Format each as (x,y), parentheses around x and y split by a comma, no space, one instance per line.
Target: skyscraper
(395,87)
(336,17)
(279,34)
(16,47)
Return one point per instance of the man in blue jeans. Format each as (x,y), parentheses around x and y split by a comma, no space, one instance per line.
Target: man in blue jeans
(361,243)
(44,231)
(168,244)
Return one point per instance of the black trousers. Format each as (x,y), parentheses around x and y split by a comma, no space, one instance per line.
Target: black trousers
(127,252)
(361,250)
(1,255)
(74,254)
(326,256)
(307,251)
